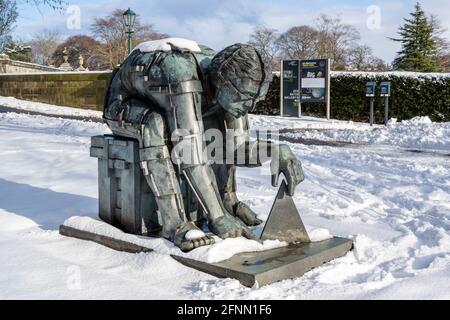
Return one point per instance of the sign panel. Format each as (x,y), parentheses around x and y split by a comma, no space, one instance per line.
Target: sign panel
(289,88)
(370,89)
(385,89)
(314,81)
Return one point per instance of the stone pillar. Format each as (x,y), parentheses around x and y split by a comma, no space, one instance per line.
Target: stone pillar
(81,62)
(65,66)
(4,60)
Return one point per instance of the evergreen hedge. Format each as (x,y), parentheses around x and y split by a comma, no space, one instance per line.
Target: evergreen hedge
(412,95)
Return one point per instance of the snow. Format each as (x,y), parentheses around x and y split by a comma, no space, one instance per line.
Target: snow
(12,102)
(418,132)
(394,204)
(387,75)
(221,250)
(318,234)
(194,234)
(164,45)
(306,123)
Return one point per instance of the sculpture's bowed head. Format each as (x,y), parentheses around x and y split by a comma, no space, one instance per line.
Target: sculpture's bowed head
(239,78)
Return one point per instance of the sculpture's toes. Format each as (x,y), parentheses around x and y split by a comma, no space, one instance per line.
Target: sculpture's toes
(189,237)
(204,241)
(228,226)
(189,245)
(247,215)
(246,233)
(242,232)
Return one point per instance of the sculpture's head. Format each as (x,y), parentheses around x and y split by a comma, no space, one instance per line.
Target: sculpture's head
(239,79)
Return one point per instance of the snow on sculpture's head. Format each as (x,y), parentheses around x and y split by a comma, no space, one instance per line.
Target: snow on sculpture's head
(239,78)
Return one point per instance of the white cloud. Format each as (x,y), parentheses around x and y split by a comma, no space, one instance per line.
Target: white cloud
(218,23)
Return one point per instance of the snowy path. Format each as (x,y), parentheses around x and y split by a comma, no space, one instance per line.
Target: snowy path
(395,204)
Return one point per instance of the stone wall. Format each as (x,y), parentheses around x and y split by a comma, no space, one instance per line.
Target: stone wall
(84,90)
(12,66)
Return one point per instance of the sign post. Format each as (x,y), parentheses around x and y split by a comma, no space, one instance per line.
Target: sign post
(370,93)
(385,91)
(289,84)
(315,82)
(304,81)
(328,90)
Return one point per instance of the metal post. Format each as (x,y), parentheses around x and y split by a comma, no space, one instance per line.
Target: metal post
(129,17)
(299,88)
(129,42)
(371,111)
(386,110)
(299,91)
(328,89)
(281,89)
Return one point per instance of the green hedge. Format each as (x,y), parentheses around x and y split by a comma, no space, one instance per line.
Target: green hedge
(412,95)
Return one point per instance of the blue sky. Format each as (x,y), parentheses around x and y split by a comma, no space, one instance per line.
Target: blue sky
(218,23)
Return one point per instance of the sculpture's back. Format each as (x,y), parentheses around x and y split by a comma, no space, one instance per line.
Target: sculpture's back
(156,97)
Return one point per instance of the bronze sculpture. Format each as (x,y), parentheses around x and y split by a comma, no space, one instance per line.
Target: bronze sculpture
(161,167)
(167,99)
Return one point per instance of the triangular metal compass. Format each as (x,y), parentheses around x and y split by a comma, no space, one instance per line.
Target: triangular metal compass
(284,222)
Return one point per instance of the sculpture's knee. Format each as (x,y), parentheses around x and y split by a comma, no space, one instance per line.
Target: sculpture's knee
(188,149)
(158,169)
(154,130)
(155,156)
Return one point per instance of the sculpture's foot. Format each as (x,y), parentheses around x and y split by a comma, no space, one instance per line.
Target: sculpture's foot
(228,226)
(188,237)
(243,212)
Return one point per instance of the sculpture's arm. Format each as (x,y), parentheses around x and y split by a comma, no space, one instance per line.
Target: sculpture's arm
(115,97)
(251,153)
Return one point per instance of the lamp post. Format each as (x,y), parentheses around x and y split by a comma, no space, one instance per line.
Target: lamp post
(128,18)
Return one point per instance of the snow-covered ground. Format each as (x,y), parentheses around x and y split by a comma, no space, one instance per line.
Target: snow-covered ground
(394,203)
(44,108)
(418,133)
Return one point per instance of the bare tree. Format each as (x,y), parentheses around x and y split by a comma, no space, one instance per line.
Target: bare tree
(43,45)
(110,32)
(335,39)
(299,42)
(328,38)
(378,64)
(265,41)
(361,58)
(442,43)
(83,45)
(8,16)
(54,4)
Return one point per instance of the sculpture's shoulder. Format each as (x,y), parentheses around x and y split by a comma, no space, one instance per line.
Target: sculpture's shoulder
(204,57)
(169,60)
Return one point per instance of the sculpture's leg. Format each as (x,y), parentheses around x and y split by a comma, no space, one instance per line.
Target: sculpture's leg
(226,173)
(160,174)
(186,121)
(226,181)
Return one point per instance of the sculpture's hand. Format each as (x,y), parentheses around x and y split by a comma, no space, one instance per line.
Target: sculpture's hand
(284,161)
